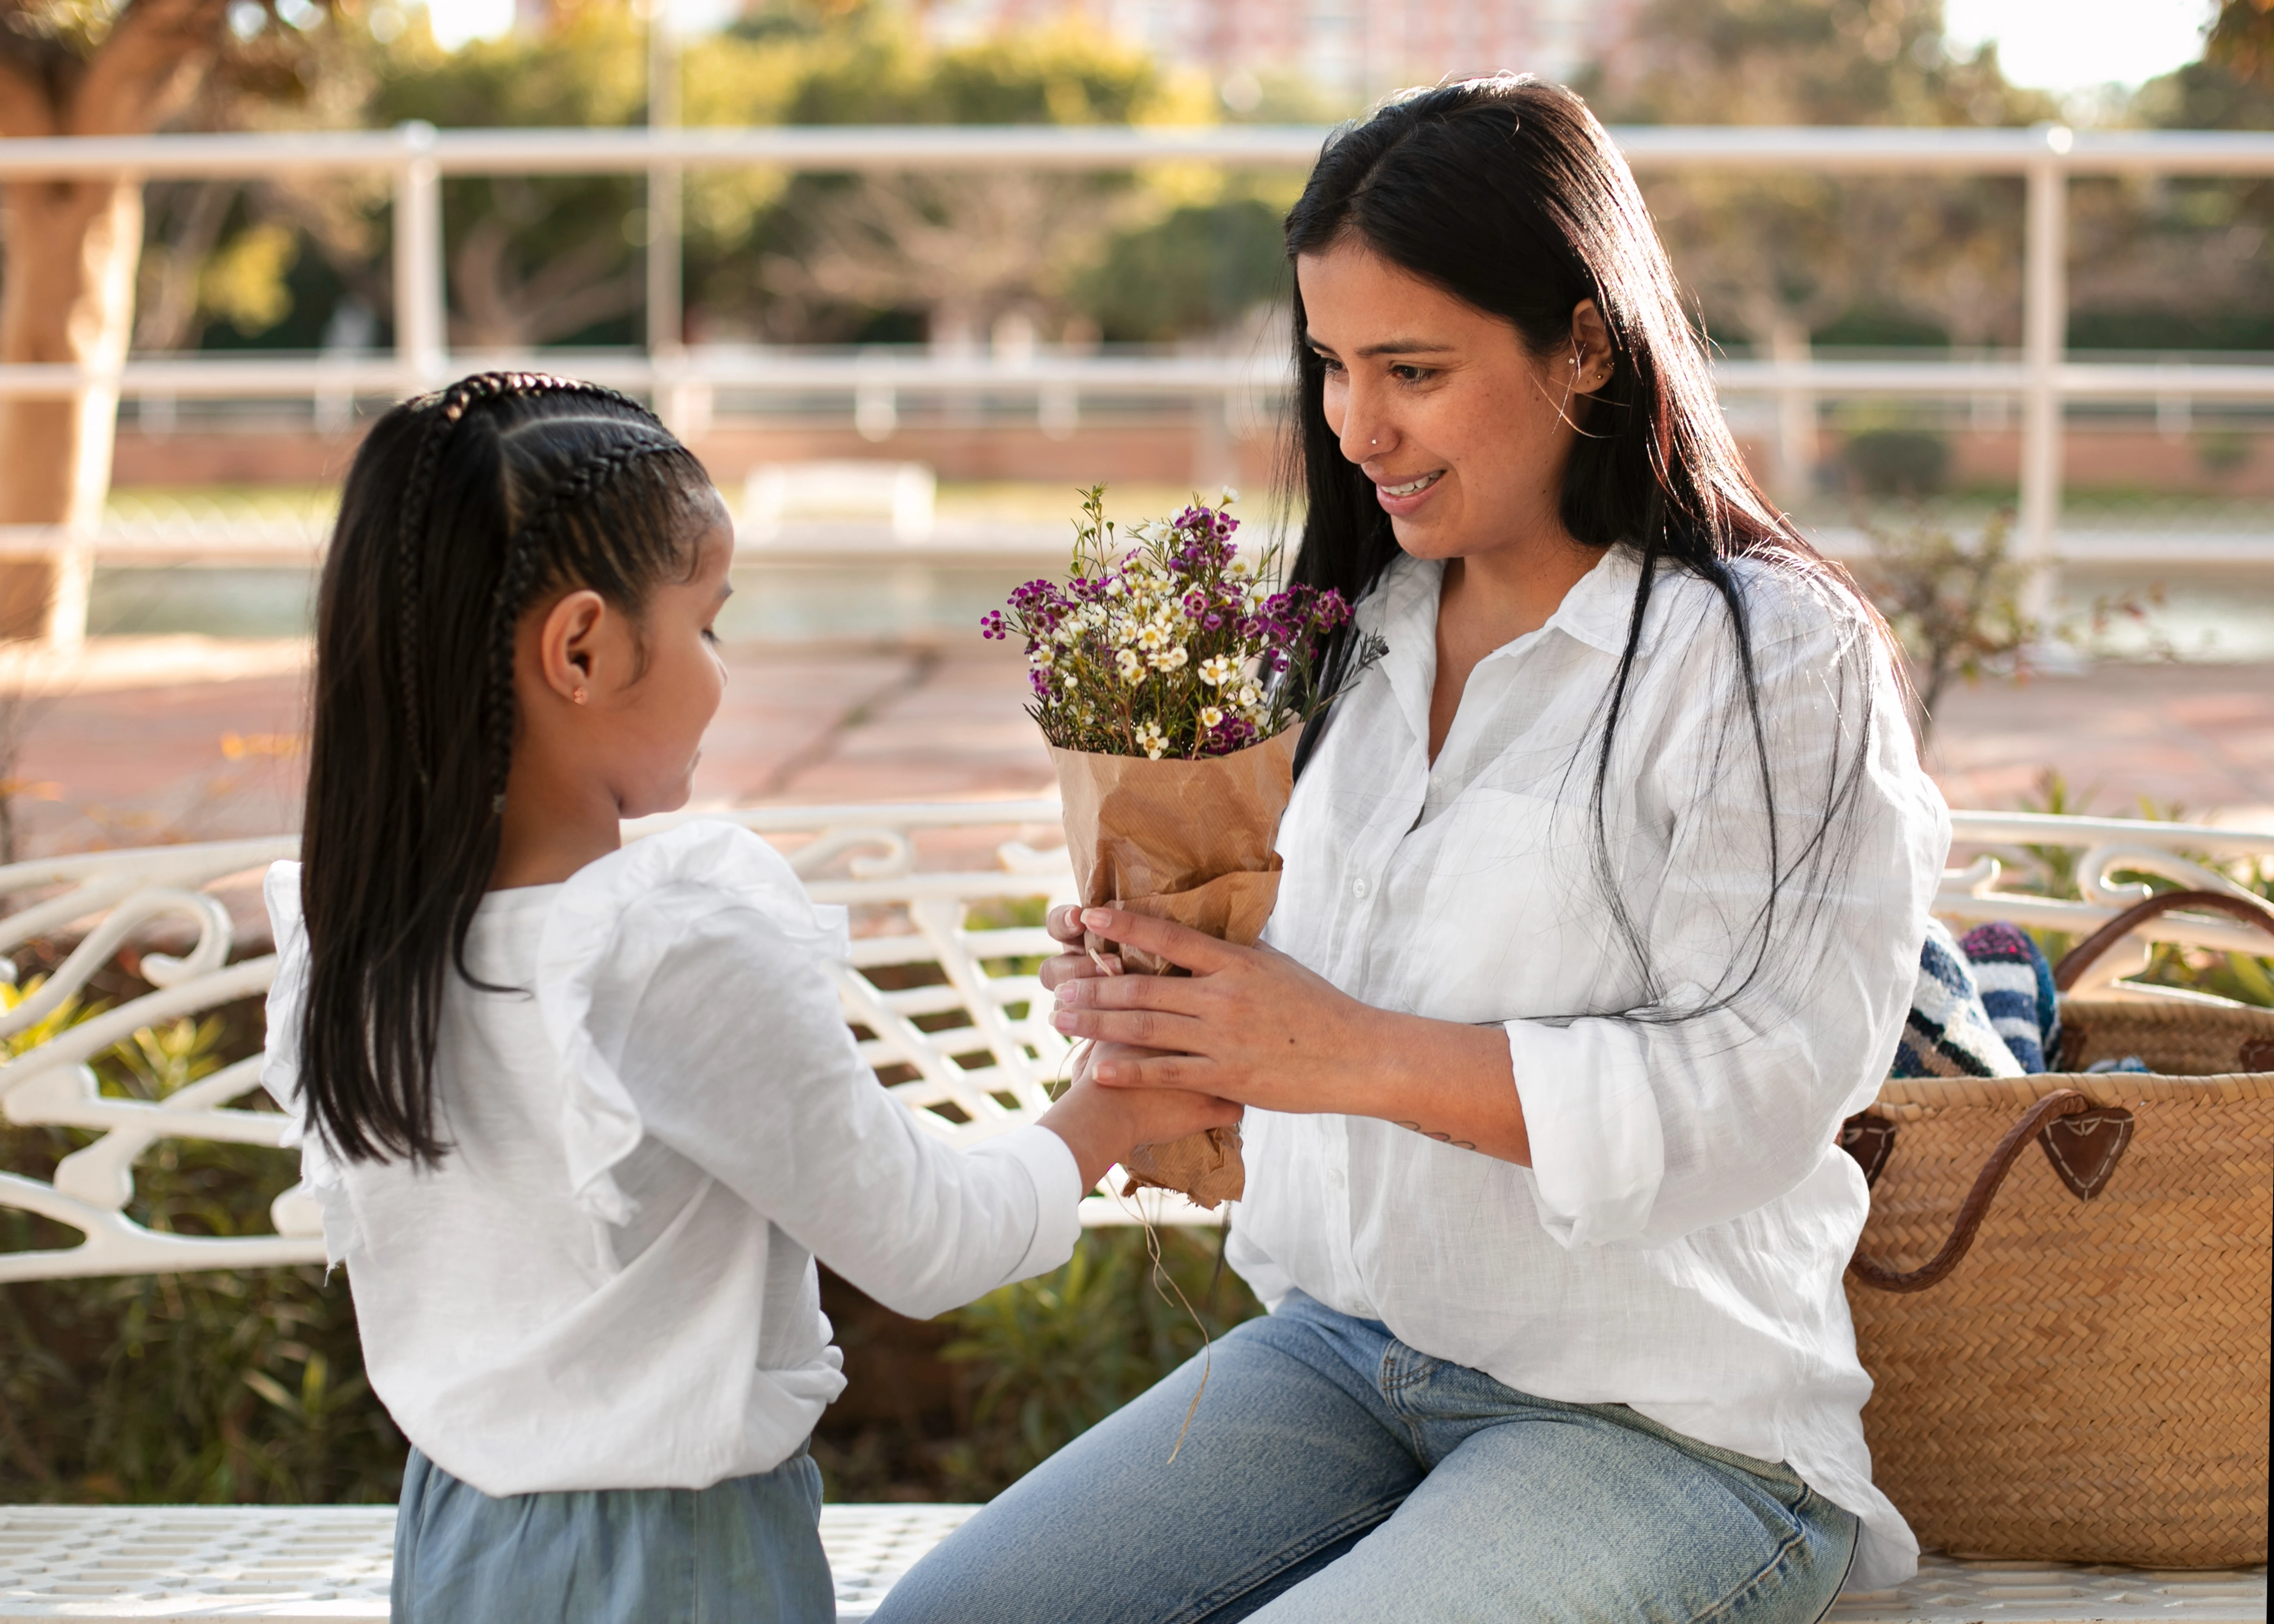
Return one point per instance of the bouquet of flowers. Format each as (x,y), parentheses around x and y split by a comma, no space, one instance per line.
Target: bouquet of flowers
(1172,677)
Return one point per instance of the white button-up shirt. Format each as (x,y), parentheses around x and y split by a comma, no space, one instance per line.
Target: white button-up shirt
(1678,1244)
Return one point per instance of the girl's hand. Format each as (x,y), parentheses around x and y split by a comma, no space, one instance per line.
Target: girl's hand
(1103,1125)
(1251,1025)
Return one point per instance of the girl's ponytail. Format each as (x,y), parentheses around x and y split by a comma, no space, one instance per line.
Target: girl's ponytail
(462,511)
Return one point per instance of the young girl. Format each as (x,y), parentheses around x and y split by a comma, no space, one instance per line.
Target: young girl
(579,1118)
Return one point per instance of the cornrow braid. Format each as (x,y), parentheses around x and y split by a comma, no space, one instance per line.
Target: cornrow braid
(448,411)
(525,561)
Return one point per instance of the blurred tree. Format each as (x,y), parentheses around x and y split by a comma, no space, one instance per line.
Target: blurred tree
(1198,269)
(2179,262)
(533,258)
(964,251)
(1783,257)
(67,274)
(2242,41)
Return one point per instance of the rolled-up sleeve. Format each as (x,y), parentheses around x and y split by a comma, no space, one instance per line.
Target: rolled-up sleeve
(1770,1014)
(746,1067)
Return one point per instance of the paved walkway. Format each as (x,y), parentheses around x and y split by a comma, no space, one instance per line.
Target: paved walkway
(111,763)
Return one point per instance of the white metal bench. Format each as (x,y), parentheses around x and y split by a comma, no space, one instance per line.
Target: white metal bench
(912,874)
(309,1563)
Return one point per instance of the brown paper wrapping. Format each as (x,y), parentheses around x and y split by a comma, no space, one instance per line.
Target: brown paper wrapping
(1188,841)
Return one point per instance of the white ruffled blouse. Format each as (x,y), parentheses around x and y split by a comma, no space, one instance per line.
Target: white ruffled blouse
(608,1282)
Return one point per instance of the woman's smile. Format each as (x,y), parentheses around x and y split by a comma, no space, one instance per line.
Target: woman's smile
(1404,497)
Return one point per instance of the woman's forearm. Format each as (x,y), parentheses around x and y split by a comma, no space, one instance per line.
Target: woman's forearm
(1446,1081)
(1253,1026)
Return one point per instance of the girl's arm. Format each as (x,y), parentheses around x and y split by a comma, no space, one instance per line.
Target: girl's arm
(738,1058)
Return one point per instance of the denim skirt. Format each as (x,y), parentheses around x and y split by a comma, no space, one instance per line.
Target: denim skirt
(747,1550)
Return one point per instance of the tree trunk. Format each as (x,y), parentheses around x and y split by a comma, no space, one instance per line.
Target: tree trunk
(72,249)
(67,300)
(1794,466)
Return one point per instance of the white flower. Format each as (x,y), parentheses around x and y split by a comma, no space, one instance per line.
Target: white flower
(1152,638)
(1042,655)
(1130,666)
(1249,693)
(1217,671)
(1093,614)
(1239,570)
(1172,660)
(1210,717)
(1150,740)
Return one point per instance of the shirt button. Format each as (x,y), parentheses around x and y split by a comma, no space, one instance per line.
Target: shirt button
(1358,888)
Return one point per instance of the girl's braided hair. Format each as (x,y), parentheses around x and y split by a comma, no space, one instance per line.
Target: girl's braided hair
(464,509)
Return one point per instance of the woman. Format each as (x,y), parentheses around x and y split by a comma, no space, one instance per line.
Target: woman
(1602,903)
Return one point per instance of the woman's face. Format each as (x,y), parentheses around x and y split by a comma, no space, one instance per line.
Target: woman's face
(1463,430)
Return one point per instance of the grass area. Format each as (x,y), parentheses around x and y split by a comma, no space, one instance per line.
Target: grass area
(223,504)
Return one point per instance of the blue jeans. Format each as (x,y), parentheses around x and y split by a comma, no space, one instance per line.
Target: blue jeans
(1333,1473)
(747,1550)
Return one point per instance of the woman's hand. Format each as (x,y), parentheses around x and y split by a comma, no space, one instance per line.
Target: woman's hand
(1065,927)
(1251,1025)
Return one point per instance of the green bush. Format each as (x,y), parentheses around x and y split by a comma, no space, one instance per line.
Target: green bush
(1200,269)
(1898,461)
(2245,977)
(229,1386)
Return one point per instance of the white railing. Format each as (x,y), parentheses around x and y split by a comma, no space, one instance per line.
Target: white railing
(681,378)
(919,959)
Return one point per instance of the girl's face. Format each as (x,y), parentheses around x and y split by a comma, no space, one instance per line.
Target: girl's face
(1463,430)
(651,730)
(613,709)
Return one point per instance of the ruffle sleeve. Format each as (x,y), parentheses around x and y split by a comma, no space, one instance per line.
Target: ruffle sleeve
(280,1064)
(599,1123)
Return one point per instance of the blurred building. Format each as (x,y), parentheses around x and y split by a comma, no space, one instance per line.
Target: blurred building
(1357,47)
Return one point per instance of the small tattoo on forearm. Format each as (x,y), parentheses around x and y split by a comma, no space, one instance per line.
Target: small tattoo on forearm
(1443,1139)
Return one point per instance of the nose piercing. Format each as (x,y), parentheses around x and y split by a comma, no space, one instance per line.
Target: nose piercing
(1372,442)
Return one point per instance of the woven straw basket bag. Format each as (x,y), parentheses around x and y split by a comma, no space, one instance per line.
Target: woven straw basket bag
(2062,1292)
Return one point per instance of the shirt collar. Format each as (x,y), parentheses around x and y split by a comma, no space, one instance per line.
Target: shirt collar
(1595,612)
(1600,603)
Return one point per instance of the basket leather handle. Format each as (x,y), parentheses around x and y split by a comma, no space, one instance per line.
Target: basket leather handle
(2060,1104)
(2081,958)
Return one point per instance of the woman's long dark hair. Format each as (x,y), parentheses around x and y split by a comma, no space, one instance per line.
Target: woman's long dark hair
(464,510)
(1508,194)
